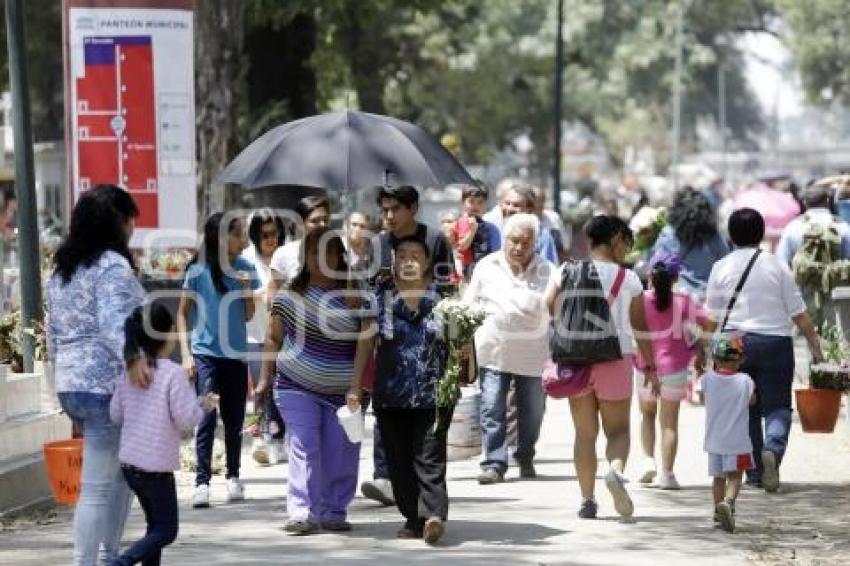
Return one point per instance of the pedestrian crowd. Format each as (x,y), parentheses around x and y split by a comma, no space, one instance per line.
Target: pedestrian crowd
(326,321)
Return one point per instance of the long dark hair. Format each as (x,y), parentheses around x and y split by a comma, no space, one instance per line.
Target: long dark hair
(97,225)
(332,245)
(259,219)
(692,217)
(148,326)
(210,250)
(662,283)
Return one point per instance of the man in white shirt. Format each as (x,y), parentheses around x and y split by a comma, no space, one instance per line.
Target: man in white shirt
(766,309)
(511,345)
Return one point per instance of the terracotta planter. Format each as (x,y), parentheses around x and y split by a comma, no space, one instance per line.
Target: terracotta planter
(818,409)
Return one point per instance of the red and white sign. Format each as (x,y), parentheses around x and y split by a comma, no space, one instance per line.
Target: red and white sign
(130,99)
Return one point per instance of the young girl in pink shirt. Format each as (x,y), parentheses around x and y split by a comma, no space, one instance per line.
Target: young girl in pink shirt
(670,316)
(152,420)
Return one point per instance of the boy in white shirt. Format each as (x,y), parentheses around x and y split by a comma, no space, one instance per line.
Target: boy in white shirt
(728,395)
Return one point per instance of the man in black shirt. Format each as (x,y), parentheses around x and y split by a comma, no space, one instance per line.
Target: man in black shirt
(399,206)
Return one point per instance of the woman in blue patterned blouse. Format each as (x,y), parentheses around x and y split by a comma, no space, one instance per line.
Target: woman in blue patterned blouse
(89,296)
(411,359)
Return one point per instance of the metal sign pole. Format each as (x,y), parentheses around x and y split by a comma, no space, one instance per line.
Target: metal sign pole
(30,266)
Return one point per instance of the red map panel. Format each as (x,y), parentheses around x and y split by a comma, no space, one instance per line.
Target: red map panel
(116,120)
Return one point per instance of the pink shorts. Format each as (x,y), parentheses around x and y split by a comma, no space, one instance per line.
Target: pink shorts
(610,381)
(674,387)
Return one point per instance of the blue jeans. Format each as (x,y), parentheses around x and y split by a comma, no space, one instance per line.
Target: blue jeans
(769,360)
(229,379)
(104,497)
(531,403)
(157,495)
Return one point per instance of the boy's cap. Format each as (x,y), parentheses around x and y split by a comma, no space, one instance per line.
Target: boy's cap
(728,347)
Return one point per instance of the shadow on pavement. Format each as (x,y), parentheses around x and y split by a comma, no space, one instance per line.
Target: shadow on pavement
(459,532)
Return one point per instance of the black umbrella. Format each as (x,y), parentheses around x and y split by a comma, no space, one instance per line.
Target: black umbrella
(345,151)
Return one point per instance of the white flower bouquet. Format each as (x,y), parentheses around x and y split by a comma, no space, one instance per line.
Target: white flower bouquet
(459,322)
(646,226)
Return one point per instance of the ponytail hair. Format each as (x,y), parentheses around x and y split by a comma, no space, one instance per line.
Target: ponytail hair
(148,335)
(662,283)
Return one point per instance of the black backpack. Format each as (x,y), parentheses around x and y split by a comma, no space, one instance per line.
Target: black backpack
(583,331)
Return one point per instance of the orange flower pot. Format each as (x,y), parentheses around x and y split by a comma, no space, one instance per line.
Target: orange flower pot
(818,409)
(64,462)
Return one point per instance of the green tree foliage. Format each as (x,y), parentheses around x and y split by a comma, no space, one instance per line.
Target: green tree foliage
(817,35)
(483,70)
(43,20)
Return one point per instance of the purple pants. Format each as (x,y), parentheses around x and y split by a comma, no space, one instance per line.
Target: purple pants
(322,462)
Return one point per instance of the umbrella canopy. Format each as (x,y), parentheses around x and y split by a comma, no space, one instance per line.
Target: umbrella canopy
(345,151)
(778,208)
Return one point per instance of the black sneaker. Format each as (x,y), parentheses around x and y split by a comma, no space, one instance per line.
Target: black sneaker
(588,509)
(527,471)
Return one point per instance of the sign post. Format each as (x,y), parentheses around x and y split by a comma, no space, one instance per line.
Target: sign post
(30,266)
(130,110)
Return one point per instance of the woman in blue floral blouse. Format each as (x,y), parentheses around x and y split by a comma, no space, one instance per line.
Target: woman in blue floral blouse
(411,358)
(89,296)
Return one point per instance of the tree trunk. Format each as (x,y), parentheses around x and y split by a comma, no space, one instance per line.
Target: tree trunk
(364,46)
(219,38)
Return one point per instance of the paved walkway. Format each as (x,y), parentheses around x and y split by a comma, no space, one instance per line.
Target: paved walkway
(521,522)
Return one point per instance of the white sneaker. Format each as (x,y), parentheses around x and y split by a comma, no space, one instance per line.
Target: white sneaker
(616,484)
(235,491)
(201,497)
(667,480)
(649,471)
(380,490)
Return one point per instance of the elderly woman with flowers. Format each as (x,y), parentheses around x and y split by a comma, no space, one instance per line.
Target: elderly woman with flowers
(511,345)
(410,363)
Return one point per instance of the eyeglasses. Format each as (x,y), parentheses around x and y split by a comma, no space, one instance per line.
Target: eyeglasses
(270,235)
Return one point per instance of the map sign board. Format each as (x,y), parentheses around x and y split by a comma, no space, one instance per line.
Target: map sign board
(130,109)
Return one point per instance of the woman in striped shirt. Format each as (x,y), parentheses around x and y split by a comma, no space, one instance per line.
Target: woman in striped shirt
(323,341)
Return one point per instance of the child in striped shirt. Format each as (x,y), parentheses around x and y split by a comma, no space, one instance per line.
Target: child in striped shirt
(152,420)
